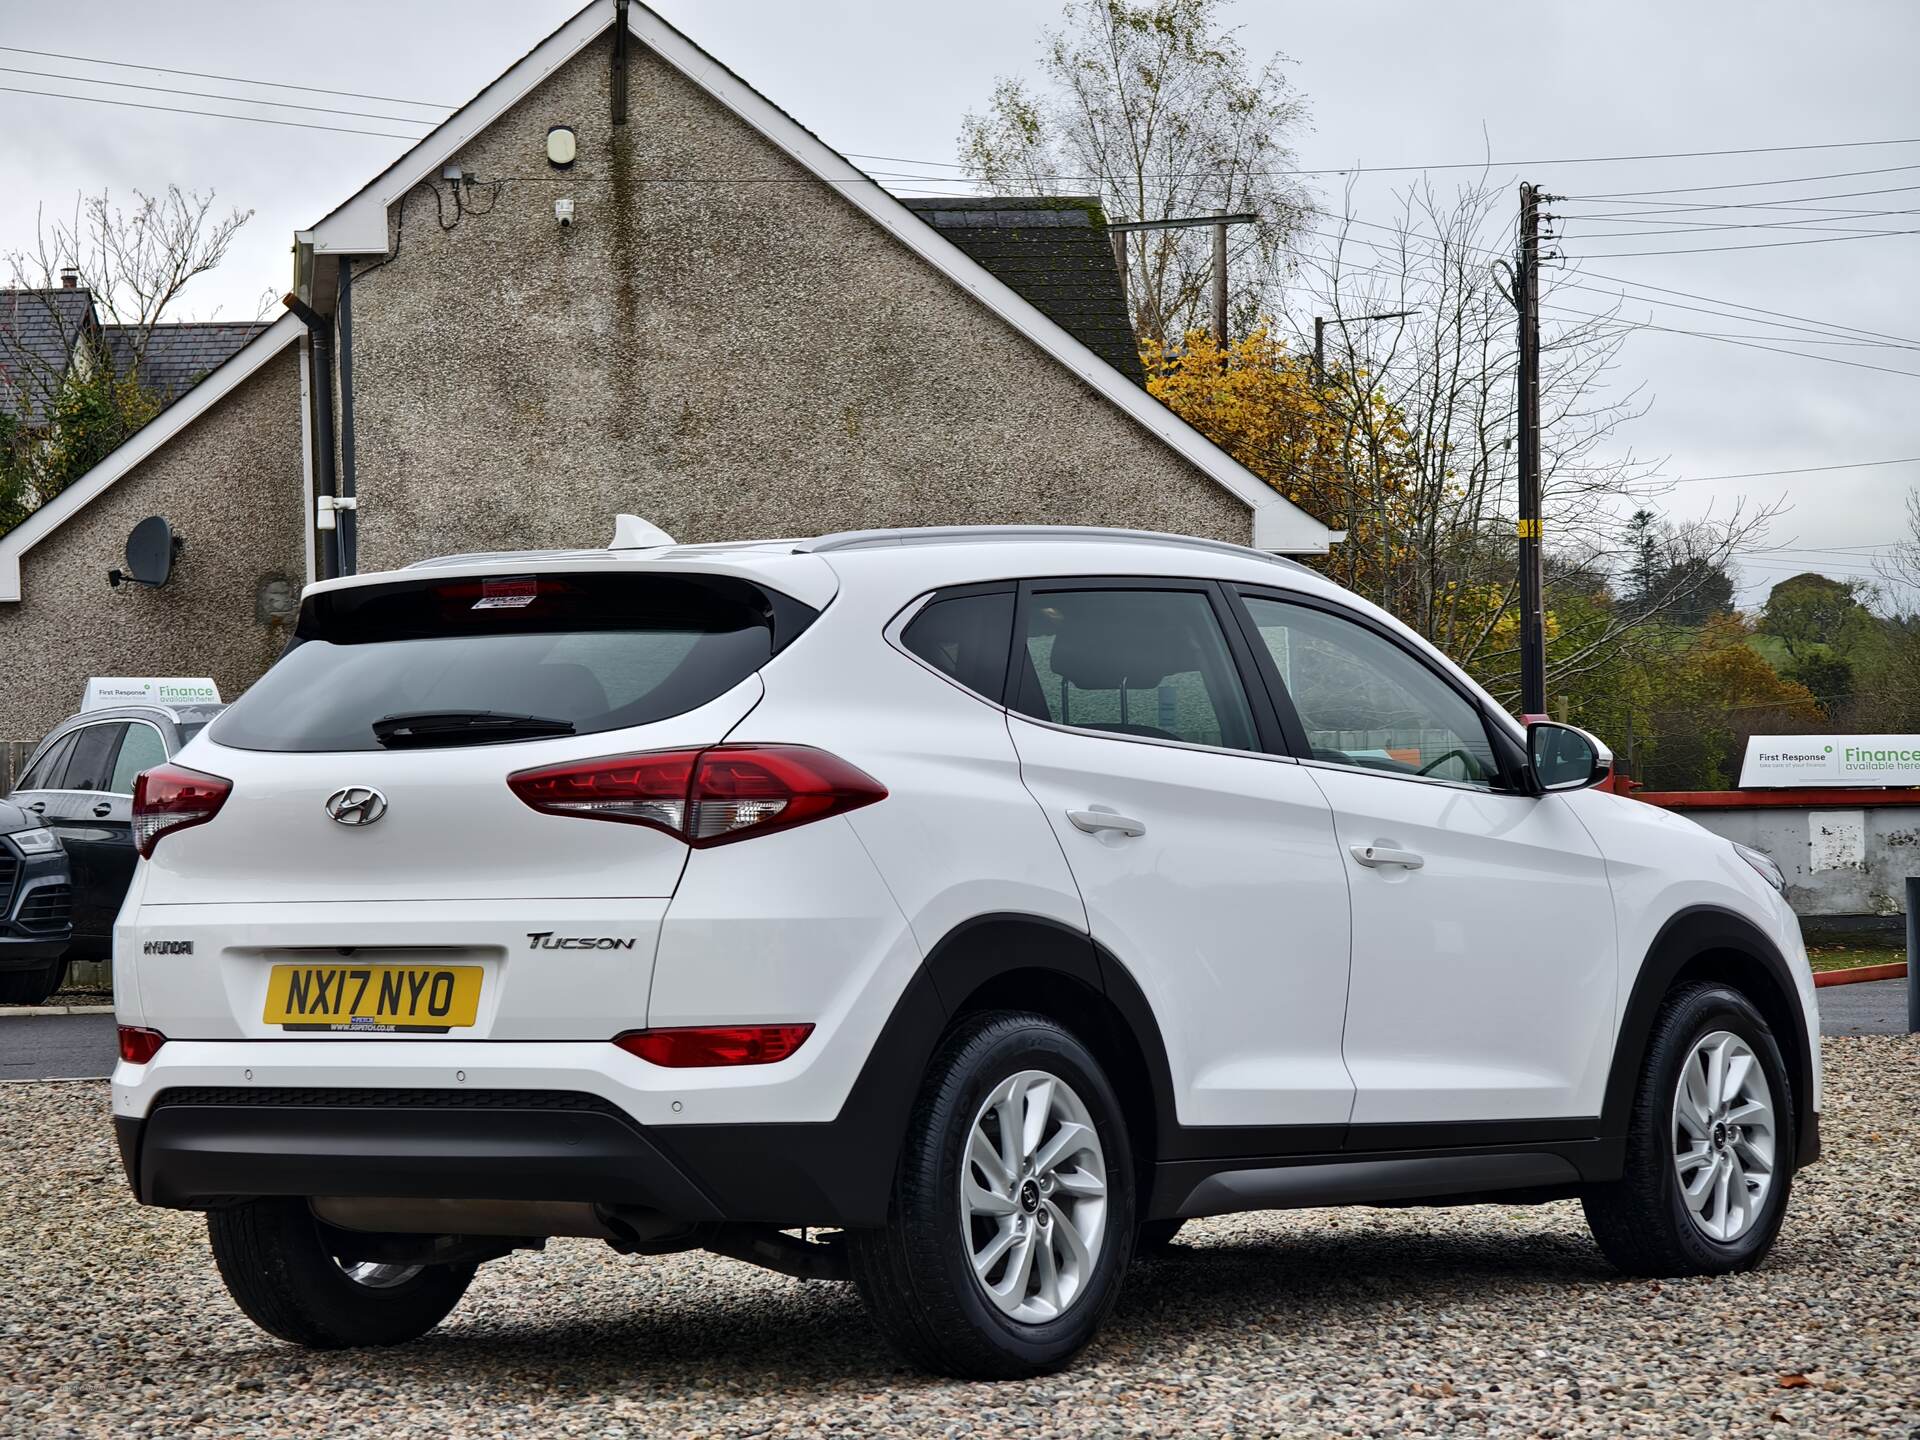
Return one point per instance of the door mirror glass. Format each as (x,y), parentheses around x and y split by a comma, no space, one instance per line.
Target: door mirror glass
(1565,758)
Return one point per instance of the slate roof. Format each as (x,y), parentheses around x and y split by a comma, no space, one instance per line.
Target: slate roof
(38,330)
(178,356)
(1056,254)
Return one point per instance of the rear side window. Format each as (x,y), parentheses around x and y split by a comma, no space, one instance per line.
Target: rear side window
(46,770)
(965,638)
(1148,663)
(425,663)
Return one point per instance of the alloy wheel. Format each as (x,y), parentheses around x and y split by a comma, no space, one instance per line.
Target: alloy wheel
(376,1276)
(1033,1196)
(1724,1136)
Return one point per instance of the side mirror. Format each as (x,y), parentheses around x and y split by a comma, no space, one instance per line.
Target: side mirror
(1565,758)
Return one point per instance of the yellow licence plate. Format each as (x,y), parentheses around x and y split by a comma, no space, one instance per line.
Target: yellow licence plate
(377,999)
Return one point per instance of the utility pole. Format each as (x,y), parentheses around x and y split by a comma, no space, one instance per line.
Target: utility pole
(1120,228)
(1533,616)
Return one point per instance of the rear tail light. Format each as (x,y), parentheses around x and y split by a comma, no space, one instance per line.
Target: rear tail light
(138,1045)
(704,797)
(685,1047)
(172,797)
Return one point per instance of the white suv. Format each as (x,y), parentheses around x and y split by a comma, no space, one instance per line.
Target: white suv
(993,900)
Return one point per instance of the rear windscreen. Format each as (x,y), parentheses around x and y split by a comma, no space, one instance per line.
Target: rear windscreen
(510,657)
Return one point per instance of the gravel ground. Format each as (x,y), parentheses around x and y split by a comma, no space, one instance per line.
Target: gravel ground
(1478,1321)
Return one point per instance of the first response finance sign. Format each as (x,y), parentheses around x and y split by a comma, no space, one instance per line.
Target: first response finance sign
(1787,761)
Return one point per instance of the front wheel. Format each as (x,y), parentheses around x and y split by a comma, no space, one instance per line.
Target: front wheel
(1710,1144)
(1012,1218)
(274,1259)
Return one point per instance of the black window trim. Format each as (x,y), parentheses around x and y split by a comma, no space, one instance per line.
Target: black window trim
(71,730)
(1513,779)
(130,721)
(896,630)
(1267,729)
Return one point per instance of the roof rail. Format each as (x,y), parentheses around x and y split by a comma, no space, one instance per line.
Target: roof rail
(1093,534)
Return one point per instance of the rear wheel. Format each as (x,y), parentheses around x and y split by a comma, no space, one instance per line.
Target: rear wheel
(32,986)
(277,1266)
(1012,1213)
(1710,1144)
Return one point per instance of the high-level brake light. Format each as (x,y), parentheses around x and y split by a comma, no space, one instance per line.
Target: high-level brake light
(704,797)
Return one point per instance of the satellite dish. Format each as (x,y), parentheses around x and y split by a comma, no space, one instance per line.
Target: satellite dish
(150,551)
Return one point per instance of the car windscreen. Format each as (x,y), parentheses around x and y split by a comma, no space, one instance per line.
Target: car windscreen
(474,660)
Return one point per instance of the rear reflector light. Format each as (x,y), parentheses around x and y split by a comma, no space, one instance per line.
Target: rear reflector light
(172,797)
(686,1047)
(704,797)
(138,1046)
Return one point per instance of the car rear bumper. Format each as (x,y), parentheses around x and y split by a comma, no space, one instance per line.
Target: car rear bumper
(204,1147)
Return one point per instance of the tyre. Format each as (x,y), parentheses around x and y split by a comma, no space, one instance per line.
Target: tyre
(1710,1144)
(1012,1217)
(32,986)
(280,1273)
(1155,1238)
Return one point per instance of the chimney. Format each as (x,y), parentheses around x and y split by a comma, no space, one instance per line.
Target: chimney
(69,278)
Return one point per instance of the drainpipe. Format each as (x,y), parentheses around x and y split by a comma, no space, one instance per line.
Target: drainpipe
(321,334)
(349,518)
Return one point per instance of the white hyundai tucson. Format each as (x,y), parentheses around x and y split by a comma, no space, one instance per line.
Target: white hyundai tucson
(951,911)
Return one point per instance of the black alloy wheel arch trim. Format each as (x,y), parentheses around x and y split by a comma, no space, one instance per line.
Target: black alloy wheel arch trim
(1687,935)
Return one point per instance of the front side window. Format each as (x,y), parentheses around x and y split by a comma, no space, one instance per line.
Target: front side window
(142,749)
(1365,702)
(1147,663)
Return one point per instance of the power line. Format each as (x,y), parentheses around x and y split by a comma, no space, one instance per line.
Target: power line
(1746,184)
(230,79)
(1799,470)
(1790,202)
(1737,305)
(212,114)
(210,95)
(1822,223)
(1722,249)
(1743,344)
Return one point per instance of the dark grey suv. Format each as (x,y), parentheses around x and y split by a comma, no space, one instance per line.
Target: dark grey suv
(79,784)
(34,905)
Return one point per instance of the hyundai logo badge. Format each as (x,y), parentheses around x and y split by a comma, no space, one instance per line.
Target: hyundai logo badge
(357,805)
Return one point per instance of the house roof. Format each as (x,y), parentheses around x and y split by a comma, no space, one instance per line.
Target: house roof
(1056,254)
(38,330)
(359,227)
(226,377)
(177,356)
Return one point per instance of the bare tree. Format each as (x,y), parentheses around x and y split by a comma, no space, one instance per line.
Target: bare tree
(1434,491)
(133,260)
(1153,107)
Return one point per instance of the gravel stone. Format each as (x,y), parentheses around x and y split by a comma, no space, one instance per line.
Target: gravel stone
(1485,1320)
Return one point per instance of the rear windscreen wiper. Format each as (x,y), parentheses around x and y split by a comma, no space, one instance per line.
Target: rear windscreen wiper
(463,727)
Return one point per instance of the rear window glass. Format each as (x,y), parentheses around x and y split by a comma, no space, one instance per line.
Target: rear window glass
(471,661)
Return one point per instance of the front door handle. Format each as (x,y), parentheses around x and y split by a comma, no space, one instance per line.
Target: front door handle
(1374,856)
(39,807)
(102,810)
(1094,821)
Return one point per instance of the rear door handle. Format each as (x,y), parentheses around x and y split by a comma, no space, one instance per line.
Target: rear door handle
(1374,856)
(39,807)
(103,809)
(1094,821)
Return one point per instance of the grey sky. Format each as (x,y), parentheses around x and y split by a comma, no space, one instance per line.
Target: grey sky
(1411,83)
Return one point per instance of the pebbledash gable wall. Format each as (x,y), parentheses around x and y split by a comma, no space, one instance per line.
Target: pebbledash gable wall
(719,343)
(231,486)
